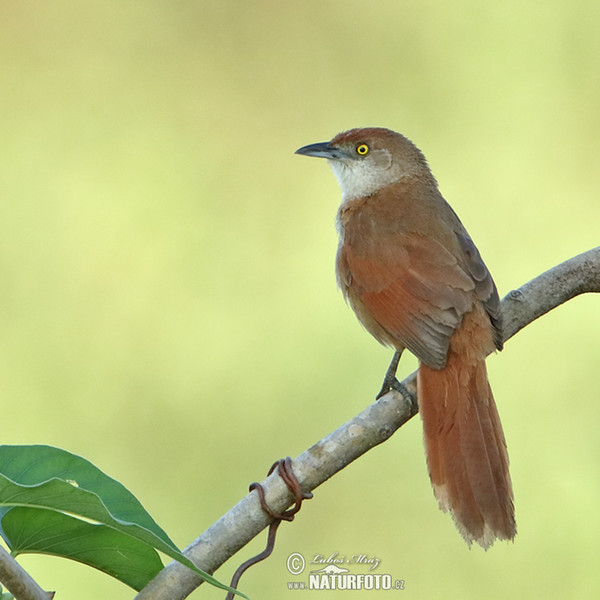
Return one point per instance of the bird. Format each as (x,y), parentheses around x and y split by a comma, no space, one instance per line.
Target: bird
(412,274)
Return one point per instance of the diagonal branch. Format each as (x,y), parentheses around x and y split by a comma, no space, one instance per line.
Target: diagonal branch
(372,426)
(17,581)
(578,275)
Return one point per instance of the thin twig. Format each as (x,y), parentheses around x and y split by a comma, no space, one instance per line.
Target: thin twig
(371,427)
(284,468)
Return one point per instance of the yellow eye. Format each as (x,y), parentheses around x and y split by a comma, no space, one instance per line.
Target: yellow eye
(362,149)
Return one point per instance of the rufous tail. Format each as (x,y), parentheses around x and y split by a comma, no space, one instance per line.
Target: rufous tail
(464,442)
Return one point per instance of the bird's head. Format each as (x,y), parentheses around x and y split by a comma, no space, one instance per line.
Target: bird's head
(368,159)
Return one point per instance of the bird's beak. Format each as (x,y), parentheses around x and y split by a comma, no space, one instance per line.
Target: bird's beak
(322,150)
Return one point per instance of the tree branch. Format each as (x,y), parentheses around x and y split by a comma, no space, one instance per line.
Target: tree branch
(578,275)
(371,427)
(17,581)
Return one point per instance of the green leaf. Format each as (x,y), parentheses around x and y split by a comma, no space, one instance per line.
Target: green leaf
(32,530)
(43,478)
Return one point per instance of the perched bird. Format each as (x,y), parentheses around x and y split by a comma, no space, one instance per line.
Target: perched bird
(415,280)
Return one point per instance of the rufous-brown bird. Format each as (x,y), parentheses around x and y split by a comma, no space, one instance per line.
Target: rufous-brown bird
(414,278)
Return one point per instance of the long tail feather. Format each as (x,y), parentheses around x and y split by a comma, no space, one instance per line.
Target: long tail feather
(466,450)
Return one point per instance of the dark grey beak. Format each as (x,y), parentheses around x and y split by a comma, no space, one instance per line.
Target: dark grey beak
(321,150)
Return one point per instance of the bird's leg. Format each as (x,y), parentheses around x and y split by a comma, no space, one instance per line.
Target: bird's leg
(390,382)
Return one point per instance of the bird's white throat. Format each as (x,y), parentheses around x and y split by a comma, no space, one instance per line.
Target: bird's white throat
(358,178)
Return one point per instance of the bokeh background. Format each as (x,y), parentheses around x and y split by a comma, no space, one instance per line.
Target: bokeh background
(168,306)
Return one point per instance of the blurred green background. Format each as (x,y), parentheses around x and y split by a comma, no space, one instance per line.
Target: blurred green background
(168,306)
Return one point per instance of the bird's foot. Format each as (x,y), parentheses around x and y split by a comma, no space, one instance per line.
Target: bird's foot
(389,381)
(388,386)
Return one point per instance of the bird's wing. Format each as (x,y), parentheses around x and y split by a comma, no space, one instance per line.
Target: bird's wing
(416,292)
(485,288)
